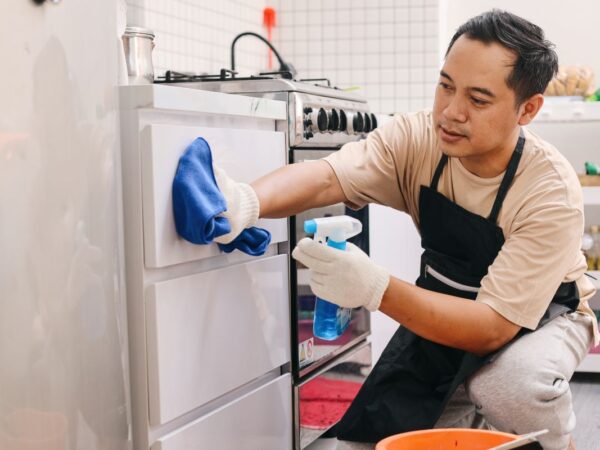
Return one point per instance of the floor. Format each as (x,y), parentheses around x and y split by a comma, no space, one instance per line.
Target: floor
(585,389)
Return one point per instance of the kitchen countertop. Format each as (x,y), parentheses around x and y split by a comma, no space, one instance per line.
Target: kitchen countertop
(159,96)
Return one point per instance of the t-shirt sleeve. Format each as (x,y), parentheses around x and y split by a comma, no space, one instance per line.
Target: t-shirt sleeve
(374,170)
(544,245)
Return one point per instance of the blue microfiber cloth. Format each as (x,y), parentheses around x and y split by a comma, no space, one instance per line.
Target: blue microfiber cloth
(198,203)
(252,241)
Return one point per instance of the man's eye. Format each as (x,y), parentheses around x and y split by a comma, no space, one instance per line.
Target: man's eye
(444,85)
(478,101)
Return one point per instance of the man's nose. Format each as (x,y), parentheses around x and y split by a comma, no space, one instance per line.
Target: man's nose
(455,111)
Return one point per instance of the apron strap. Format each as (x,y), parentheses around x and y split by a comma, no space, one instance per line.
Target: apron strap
(438,172)
(508,178)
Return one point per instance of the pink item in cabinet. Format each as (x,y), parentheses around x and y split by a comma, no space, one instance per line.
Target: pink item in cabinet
(324,401)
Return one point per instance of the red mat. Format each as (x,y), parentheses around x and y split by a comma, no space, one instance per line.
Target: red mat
(323,401)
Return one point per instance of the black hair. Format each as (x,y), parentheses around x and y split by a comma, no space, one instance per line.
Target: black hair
(536,61)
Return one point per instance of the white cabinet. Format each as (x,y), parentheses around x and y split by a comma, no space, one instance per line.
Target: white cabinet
(209,332)
(244,154)
(257,420)
(240,311)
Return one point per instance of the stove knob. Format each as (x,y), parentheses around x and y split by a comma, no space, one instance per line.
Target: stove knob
(343,121)
(315,120)
(322,120)
(350,121)
(367,125)
(308,134)
(307,120)
(373,121)
(358,123)
(333,120)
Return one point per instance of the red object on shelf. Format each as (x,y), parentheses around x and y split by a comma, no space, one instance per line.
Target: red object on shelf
(324,401)
(269,23)
(596,350)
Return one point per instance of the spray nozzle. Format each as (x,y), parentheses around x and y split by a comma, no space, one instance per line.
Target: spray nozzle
(337,228)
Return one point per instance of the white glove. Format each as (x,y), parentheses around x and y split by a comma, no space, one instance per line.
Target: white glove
(242,205)
(347,278)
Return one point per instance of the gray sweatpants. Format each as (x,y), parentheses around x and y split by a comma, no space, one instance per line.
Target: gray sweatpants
(525,388)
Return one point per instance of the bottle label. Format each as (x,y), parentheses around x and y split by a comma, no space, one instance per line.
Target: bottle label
(305,352)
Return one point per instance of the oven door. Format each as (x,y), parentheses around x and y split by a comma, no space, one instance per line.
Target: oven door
(308,352)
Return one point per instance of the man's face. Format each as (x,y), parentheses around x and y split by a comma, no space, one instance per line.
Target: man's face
(474,111)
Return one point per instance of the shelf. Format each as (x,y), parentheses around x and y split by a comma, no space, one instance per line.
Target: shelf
(591,195)
(591,363)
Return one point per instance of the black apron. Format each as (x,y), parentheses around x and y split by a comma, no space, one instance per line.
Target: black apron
(413,380)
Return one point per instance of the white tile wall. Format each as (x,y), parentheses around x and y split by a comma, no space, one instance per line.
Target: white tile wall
(196,35)
(386,50)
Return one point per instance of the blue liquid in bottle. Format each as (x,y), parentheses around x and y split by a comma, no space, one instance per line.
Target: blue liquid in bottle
(331,320)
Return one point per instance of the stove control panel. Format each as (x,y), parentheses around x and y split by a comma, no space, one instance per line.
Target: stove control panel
(327,122)
(318,120)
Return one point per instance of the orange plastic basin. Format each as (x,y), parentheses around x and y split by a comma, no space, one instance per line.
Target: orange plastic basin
(445,439)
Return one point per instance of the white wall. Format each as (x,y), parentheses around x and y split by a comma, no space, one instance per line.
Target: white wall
(395,245)
(63,334)
(385,49)
(573,26)
(195,35)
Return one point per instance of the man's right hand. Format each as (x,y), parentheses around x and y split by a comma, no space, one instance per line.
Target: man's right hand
(242,205)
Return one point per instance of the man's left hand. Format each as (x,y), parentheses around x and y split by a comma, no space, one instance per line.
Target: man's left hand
(347,278)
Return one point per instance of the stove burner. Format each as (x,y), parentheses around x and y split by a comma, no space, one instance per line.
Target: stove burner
(172,76)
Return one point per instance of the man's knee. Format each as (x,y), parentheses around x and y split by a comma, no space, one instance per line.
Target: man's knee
(523,400)
(516,389)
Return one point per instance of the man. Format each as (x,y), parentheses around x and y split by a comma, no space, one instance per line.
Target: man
(498,320)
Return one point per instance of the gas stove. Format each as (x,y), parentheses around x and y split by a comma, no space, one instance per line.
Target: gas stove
(319,115)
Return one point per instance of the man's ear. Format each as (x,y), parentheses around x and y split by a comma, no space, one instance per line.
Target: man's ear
(529,108)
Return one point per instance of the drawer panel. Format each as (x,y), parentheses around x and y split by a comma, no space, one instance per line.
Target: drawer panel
(214,331)
(244,154)
(262,419)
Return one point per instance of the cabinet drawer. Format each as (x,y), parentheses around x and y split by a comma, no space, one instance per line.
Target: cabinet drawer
(212,332)
(244,154)
(262,419)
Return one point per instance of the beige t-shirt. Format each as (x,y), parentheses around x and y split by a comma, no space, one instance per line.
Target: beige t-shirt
(541,217)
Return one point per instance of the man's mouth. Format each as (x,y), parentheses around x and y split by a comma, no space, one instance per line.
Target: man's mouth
(450,136)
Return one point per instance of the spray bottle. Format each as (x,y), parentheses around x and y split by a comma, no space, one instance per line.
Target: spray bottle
(331,320)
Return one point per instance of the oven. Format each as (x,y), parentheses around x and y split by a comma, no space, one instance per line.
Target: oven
(327,374)
(309,353)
